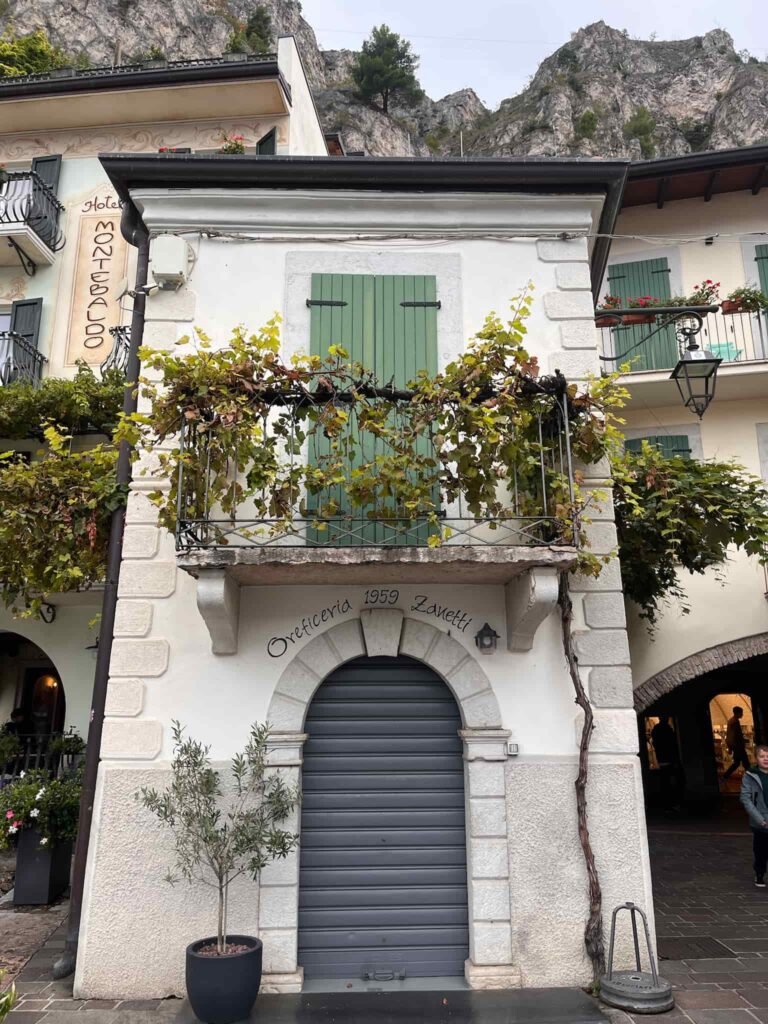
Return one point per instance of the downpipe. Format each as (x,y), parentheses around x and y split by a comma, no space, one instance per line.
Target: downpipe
(135,233)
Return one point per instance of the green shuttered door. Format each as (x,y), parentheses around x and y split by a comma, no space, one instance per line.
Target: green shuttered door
(632,281)
(377,330)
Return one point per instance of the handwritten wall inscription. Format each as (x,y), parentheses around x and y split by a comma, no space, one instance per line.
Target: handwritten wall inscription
(278,645)
(100,264)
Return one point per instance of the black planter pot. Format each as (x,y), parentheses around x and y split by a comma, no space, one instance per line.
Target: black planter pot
(223,989)
(42,872)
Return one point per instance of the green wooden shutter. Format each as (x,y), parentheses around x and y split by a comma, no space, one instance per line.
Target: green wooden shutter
(267,146)
(761,258)
(25,319)
(387,324)
(669,445)
(632,281)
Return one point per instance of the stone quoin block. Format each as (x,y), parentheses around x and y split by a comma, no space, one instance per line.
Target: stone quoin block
(125,698)
(609,579)
(133,618)
(569,306)
(489,858)
(611,687)
(298,681)
(278,906)
(140,541)
(446,655)
(615,731)
(320,656)
(602,537)
(575,364)
(594,472)
(492,943)
(139,739)
(578,334)
(487,817)
(489,900)
(559,251)
(140,509)
(573,277)
(347,640)
(467,679)
(481,711)
(147,579)
(602,647)
(416,639)
(604,611)
(281,872)
(493,977)
(286,714)
(139,657)
(279,950)
(486,778)
(382,628)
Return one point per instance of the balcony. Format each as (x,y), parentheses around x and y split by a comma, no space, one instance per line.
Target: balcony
(29,221)
(19,360)
(652,349)
(522,540)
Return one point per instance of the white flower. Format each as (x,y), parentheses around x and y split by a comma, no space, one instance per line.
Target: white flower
(43,842)
(40,793)
(34,813)
(12,830)
(22,774)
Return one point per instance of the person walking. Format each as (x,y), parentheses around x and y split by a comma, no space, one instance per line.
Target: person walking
(734,740)
(754,800)
(668,759)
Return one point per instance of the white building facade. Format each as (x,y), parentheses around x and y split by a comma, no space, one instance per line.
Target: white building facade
(489,881)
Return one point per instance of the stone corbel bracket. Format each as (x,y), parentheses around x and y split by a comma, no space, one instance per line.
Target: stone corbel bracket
(218,601)
(529,598)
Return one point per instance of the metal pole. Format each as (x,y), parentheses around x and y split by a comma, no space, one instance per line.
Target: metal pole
(136,234)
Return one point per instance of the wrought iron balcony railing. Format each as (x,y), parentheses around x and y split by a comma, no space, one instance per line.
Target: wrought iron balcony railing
(26,199)
(532,500)
(19,360)
(654,345)
(118,354)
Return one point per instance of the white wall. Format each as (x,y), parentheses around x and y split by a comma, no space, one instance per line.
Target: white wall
(305,131)
(729,218)
(728,603)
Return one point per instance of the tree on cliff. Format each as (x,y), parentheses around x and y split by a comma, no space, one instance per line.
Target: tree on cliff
(386,68)
(32,54)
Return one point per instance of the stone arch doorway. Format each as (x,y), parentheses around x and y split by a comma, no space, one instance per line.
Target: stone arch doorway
(387,633)
(30,682)
(383,877)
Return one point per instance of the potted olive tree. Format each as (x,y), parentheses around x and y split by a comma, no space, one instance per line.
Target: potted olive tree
(38,815)
(221,833)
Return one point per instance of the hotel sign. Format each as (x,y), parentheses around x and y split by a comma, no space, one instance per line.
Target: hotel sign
(100,264)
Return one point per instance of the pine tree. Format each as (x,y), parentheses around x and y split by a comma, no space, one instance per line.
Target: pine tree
(386,68)
(32,54)
(258,30)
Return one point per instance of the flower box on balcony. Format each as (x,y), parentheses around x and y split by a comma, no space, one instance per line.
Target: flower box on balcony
(605,321)
(634,319)
(731,306)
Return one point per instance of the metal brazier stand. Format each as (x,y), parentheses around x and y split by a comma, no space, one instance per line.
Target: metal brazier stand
(42,872)
(223,989)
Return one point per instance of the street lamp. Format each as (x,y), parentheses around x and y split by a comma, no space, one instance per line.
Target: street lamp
(696,376)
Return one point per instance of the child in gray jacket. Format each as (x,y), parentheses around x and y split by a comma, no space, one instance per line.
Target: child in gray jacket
(754,800)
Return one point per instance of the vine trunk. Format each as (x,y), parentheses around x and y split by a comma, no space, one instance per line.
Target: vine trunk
(593,932)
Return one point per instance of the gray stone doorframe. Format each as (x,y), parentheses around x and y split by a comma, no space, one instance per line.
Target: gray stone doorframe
(387,632)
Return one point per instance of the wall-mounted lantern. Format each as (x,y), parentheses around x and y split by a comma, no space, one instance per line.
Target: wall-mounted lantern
(696,376)
(486,639)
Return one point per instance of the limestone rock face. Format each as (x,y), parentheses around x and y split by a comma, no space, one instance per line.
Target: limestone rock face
(602,94)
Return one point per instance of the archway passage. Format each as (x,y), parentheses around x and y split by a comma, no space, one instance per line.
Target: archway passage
(383,880)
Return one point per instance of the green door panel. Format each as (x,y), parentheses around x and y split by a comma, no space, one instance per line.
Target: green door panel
(380,328)
(632,281)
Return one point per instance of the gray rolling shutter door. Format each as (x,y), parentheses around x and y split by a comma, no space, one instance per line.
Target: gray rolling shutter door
(383,847)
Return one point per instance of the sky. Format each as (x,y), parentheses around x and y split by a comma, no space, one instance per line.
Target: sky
(495,46)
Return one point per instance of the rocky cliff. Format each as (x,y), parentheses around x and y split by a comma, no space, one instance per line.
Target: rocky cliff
(602,94)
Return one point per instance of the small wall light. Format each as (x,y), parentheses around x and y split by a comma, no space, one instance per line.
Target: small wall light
(486,639)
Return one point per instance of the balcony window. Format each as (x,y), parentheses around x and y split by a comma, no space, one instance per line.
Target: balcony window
(19,330)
